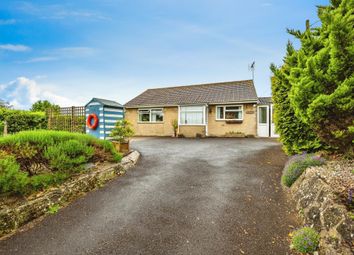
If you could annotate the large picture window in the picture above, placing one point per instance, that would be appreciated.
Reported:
(232, 112)
(150, 115)
(192, 115)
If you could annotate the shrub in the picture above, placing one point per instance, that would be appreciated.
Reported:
(18, 120)
(43, 181)
(68, 155)
(35, 160)
(305, 240)
(297, 165)
(122, 131)
(174, 124)
(11, 178)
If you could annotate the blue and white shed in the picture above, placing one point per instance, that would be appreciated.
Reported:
(108, 113)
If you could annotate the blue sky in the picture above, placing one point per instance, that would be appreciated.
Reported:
(71, 51)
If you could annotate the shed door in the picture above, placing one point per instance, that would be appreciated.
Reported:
(263, 121)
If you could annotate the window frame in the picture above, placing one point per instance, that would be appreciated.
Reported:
(150, 115)
(224, 112)
(266, 115)
(188, 124)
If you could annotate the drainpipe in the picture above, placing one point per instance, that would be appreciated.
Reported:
(206, 119)
(178, 119)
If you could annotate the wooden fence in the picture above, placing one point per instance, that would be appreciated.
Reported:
(70, 119)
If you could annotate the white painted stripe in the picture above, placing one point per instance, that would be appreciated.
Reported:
(110, 126)
(101, 114)
(110, 121)
(112, 110)
(101, 109)
(101, 120)
(108, 132)
(113, 115)
(102, 137)
(87, 131)
(101, 132)
(87, 110)
(101, 126)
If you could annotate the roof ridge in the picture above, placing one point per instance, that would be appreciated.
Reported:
(97, 98)
(202, 84)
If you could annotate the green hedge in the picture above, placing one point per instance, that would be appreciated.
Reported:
(19, 120)
(313, 90)
(35, 160)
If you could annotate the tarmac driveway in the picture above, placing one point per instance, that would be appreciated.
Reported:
(186, 196)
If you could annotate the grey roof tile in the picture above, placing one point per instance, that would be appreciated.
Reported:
(106, 102)
(211, 93)
(265, 100)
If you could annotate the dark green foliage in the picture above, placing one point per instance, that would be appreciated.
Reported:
(11, 178)
(315, 85)
(122, 131)
(297, 165)
(305, 240)
(68, 155)
(43, 181)
(44, 106)
(295, 135)
(18, 120)
(35, 160)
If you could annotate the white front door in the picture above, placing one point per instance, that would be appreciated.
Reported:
(263, 121)
(272, 126)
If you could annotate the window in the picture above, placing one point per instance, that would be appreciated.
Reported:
(192, 115)
(156, 115)
(232, 112)
(150, 115)
(262, 115)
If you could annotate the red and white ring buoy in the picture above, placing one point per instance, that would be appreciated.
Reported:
(94, 125)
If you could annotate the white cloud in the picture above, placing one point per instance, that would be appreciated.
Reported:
(62, 53)
(39, 59)
(23, 92)
(14, 47)
(59, 12)
(7, 21)
(76, 51)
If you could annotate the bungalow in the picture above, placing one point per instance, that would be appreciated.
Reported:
(214, 109)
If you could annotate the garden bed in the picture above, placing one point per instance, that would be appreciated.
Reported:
(17, 211)
(42, 170)
(324, 200)
(33, 161)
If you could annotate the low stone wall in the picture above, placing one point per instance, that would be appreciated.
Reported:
(322, 210)
(16, 212)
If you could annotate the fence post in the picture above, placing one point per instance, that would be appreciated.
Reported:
(72, 118)
(5, 127)
(49, 118)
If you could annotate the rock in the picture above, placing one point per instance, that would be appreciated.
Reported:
(332, 215)
(323, 210)
(7, 221)
(346, 230)
(312, 217)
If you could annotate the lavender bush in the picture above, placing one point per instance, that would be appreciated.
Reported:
(297, 165)
(305, 240)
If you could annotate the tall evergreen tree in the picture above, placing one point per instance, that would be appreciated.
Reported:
(295, 135)
(321, 82)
